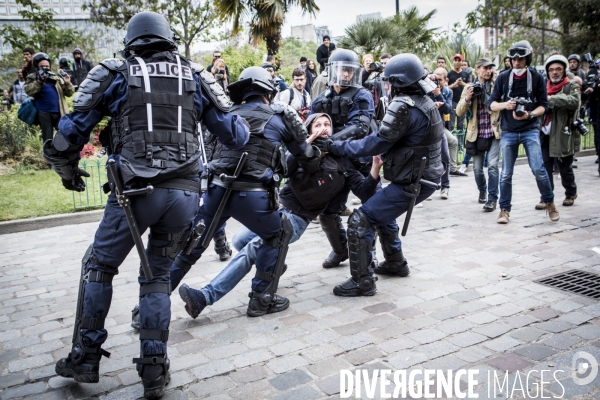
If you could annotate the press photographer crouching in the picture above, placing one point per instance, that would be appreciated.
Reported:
(49, 90)
(560, 139)
(483, 132)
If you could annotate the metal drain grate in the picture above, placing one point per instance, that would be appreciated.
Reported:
(575, 281)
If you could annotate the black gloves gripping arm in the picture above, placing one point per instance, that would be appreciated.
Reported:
(323, 144)
(64, 159)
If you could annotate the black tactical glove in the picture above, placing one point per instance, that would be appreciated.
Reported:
(64, 159)
(75, 182)
(323, 144)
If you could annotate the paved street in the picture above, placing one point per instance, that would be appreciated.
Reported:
(470, 303)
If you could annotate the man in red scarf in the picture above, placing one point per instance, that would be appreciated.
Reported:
(559, 139)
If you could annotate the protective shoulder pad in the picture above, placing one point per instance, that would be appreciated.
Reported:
(291, 119)
(98, 80)
(214, 91)
(393, 125)
(196, 68)
(112, 64)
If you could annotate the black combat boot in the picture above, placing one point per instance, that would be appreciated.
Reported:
(364, 287)
(394, 264)
(155, 375)
(194, 300)
(86, 371)
(335, 259)
(263, 303)
(222, 247)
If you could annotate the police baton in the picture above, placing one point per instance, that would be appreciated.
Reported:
(116, 186)
(413, 192)
(225, 178)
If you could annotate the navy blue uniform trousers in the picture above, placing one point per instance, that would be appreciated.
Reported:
(166, 211)
(249, 208)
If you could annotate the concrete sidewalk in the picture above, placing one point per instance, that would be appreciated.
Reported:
(470, 303)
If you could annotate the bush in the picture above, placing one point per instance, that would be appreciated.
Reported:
(20, 144)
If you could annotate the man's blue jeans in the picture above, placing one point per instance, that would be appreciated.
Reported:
(247, 243)
(493, 154)
(509, 143)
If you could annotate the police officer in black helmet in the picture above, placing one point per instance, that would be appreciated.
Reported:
(412, 129)
(351, 109)
(156, 101)
(253, 198)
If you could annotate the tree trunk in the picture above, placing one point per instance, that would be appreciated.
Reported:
(273, 41)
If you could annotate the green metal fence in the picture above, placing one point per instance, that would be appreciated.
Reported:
(587, 142)
(93, 196)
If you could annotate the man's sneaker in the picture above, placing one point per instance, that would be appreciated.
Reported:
(569, 200)
(552, 211)
(444, 193)
(503, 217)
(463, 168)
(457, 173)
(482, 196)
(194, 300)
(489, 206)
(540, 206)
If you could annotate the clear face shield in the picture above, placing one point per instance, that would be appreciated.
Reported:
(343, 73)
(427, 85)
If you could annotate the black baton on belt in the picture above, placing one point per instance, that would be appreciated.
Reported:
(114, 180)
(225, 178)
(413, 190)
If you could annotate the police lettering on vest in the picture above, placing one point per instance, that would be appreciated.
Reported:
(162, 70)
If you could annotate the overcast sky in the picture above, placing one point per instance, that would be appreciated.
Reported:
(339, 14)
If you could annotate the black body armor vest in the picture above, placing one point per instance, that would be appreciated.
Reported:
(262, 153)
(401, 162)
(157, 140)
(336, 106)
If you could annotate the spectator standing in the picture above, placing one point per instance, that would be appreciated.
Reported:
(17, 90)
(81, 67)
(560, 141)
(367, 60)
(457, 80)
(65, 65)
(384, 59)
(311, 75)
(296, 96)
(483, 134)
(279, 83)
(522, 83)
(216, 56)
(28, 67)
(219, 71)
(575, 67)
(507, 64)
(302, 64)
(324, 51)
(441, 62)
(50, 92)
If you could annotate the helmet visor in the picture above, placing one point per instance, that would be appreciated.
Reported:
(518, 52)
(344, 73)
(427, 85)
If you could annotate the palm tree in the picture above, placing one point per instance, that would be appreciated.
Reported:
(266, 17)
(413, 28)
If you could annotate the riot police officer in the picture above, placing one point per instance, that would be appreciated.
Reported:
(351, 108)
(155, 101)
(412, 129)
(251, 196)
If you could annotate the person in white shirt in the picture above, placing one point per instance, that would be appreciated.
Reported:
(296, 96)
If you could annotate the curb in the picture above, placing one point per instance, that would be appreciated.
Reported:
(50, 221)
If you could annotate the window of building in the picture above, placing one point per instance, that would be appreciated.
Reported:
(76, 10)
(3, 10)
(13, 10)
(66, 10)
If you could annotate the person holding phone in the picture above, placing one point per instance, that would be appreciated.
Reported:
(457, 80)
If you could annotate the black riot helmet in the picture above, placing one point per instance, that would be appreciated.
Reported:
(521, 49)
(343, 69)
(252, 81)
(406, 72)
(63, 62)
(149, 30)
(39, 57)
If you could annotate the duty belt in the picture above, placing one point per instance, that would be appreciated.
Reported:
(179, 184)
(241, 186)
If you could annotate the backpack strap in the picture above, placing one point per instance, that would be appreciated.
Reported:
(291, 96)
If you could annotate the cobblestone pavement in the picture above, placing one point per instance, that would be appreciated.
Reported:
(470, 303)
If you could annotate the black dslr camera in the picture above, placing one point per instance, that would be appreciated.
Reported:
(521, 102)
(375, 67)
(45, 74)
(580, 126)
(477, 88)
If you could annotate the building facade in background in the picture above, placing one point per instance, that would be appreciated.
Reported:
(310, 33)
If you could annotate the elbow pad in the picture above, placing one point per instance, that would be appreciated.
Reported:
(91, 90)
(291, 120)
(393, 125)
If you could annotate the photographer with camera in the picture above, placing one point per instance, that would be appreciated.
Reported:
(483, 132)
(375, 85)
(520, 96)
(560, 131)
(49, 91)
(592, 97)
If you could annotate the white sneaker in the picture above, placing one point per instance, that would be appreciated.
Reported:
(463, 168)
(356, 200)
(444, 193)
